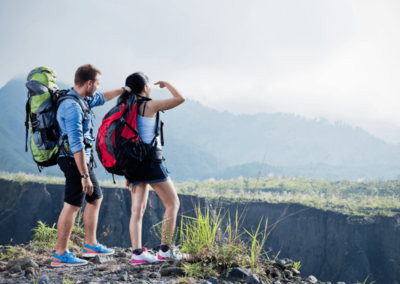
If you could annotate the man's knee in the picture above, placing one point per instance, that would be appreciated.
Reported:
(96, 202)
(71, 208)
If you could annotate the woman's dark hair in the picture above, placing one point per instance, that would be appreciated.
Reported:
(136, 82)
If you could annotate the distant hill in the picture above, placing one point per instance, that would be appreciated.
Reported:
(201, 142)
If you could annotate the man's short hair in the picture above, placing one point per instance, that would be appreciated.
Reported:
(85, 73)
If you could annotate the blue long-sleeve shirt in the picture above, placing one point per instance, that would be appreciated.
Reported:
(70, 117)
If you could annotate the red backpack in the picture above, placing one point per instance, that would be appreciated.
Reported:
(118, 145)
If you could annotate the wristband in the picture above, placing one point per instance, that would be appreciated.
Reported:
(126, 88)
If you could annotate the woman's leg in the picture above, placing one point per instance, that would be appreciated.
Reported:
(167, 193)
(139, 194)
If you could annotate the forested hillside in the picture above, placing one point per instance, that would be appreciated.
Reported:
(201, 143)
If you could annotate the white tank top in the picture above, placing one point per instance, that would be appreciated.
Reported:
(147, 129)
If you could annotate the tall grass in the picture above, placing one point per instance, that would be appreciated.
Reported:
(205, 240)
(256, 244)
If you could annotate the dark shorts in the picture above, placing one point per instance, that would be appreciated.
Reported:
(73, 183)
(145, 173)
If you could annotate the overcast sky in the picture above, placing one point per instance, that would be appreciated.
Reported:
(334, 59)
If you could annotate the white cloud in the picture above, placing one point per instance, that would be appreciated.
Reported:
(337, 59)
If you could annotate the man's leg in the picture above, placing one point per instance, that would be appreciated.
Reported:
(64, 227)
(90, 220)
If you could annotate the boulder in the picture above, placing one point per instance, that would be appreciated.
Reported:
(123, 276)
(252, 279)
(15, 269)
(172, 271)
(154, 275)
(24, 263)
(289, 274)
(122, 254)
(280, 262)
(30, 271)
(236, 274)
(101, 259)
(124, 260)
(311, 279)
(213, 280)
(44, 280)
(295, 271)
(47, 261)
(143, 274)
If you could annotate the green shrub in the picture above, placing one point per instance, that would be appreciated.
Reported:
(192, 269)
(297, 265)
(45, 234)
(10, 254)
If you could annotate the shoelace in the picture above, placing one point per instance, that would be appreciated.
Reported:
(71, 256)
(101, 246)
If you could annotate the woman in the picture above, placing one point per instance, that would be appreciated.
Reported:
(154, 174)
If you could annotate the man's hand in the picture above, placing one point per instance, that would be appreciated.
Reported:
(127, 184)
(87, 186)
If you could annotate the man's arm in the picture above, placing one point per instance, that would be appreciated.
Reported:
(73, 116)
(109, 95)
(80, 160)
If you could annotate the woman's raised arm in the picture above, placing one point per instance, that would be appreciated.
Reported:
(159, 105)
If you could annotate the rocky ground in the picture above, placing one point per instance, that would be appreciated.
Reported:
(32, 265)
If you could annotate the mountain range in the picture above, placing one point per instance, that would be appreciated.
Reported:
(202, 143)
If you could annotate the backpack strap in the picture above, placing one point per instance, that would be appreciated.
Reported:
(27, 109)
(162, 132)
(86, 113)
(144, 107)
(85, 110)
(155, 141)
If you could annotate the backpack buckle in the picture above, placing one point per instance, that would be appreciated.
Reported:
(122, 120)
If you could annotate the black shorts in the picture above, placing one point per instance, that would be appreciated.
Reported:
(146, 173)
(73, 183)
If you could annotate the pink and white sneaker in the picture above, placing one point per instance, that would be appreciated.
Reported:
(176, 255)
(144, 258)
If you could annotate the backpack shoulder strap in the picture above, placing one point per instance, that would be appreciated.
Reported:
(66, 97)
(144, 101)
(27, 110)
(85, 110)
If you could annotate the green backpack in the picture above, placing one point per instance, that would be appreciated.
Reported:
(44, 98)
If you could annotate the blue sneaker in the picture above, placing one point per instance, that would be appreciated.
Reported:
(67, 259)
(97, 249)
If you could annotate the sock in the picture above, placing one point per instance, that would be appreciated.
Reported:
(137, 251)
(164, 248)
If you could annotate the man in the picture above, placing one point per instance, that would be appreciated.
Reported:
(76, 161)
